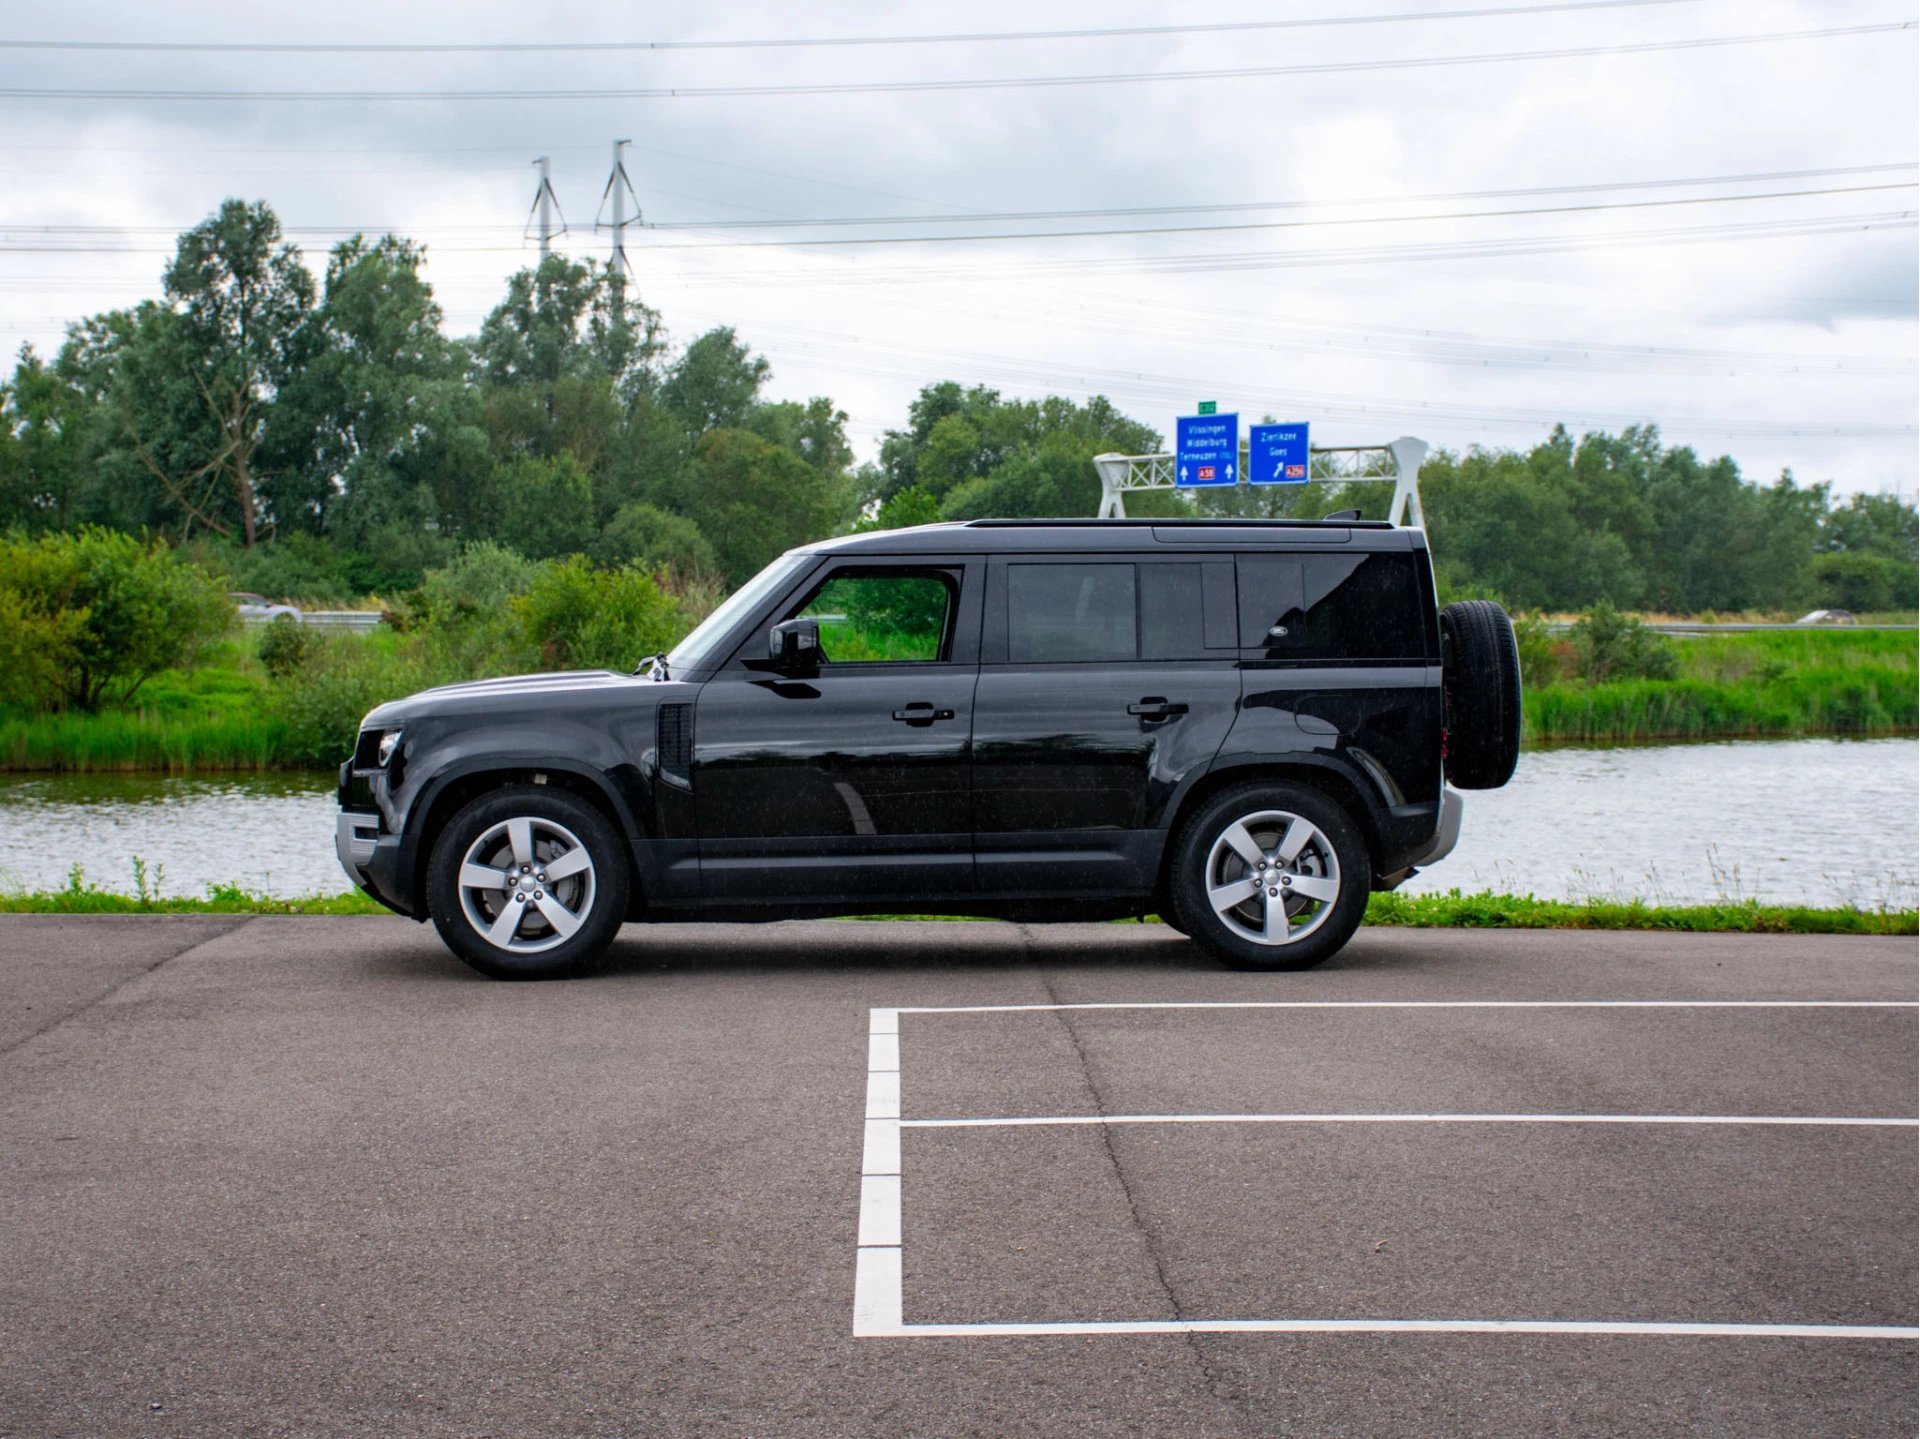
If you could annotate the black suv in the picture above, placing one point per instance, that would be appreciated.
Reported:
(1243, 726)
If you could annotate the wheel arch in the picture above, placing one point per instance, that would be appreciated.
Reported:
(459, 785)
(1322, 774)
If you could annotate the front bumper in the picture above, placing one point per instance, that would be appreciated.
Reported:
(376, 862)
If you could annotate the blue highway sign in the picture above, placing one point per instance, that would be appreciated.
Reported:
(1277, 455)
(1207, 449)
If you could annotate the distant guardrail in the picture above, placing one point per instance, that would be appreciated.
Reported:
(328, 619)
(1559, 626)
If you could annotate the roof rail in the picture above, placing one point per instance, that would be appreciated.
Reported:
(1398, 462)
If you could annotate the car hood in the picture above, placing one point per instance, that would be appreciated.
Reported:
(514, 693)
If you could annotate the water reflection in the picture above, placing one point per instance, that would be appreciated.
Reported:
(1826, 822)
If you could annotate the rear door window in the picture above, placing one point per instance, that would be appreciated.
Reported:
(1331, 607)
(1071, 613)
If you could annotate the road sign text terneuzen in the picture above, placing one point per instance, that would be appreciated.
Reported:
(1207, 450)
(1278, 455)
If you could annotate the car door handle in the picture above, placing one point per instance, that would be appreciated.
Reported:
(921, 713)
(1155, 708)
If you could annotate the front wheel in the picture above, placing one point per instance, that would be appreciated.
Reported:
(527, 882)
(1270, 876)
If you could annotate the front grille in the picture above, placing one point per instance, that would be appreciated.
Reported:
(676, 745)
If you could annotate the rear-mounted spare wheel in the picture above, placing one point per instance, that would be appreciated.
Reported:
(1481, 688)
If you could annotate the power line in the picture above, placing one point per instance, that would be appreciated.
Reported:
(1002, 216)
(1118, 212)
(1285, 224)
(501, 47)
(1015, 82)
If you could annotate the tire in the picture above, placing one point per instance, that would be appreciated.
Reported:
(1219, 849)
(530, 827)
(1480, 688)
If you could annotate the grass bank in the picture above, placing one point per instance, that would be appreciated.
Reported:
(1784, 683)
(1453, 910)
(221, 716)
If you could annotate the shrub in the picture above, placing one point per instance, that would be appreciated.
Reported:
(112, 613)
(1544, 655)
(323, 704)
(286, 647)
(465, 615)
(1608, 645)
(578, 617)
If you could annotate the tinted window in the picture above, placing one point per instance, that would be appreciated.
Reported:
(1170, 625)
(1334, 607)
(866, 617)
(1070, 612)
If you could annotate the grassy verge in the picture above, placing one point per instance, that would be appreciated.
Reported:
(221, 899)
(1819, 682)
(1453, 910)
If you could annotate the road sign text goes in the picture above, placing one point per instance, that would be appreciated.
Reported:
(1278, 455)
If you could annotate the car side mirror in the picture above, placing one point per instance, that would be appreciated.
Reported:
(794, 644)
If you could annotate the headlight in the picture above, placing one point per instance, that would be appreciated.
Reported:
(389, 742)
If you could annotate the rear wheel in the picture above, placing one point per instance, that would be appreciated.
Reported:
(527, 883)
(1270, 876)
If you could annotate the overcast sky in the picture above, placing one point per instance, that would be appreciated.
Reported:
(1778, 330)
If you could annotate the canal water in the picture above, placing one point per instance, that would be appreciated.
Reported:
(1823, 822)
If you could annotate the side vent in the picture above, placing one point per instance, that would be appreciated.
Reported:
(676, 745)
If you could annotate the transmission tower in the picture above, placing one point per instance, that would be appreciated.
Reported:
(619, 190)
(545, 204)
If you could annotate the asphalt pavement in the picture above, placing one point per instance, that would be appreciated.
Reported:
(311, 1176)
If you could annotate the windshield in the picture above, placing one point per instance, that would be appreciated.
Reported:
(697, 649)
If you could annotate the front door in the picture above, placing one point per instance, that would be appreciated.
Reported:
(846, 781)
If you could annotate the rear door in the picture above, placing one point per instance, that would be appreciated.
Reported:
(848, 782)
(1105, 679)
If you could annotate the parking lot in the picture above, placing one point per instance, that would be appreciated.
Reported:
(310, 1176)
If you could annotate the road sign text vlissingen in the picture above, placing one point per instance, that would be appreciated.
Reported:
(1207, 450)
(1277, 455)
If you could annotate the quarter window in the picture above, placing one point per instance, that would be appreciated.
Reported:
(1331, 607)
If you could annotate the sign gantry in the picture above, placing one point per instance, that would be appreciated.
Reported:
(1397, 463)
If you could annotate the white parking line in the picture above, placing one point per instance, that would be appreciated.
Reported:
(1406, 1326)
(1018, 1121)
(1420, 1004)
(878, 1281)
(879, 1272)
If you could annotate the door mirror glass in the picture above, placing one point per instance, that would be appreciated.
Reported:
(794, 644)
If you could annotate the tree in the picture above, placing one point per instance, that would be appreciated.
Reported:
(241, 298)
(815, 431)
(977, 453)
(565, 319)
(377, 409)
(715, 384)
(754, 500)
(42, 438)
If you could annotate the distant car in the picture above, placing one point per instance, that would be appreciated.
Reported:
(1827, 617)
(258, 609)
